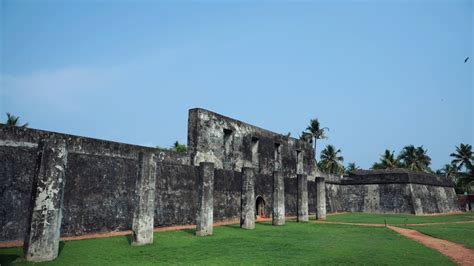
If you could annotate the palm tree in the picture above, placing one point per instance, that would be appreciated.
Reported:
(331, 161)
(14, 121)
(415, 158)
(463, 156)
(306, 137)
(448, 170)
(179, 147)
(387, 161)
(314, 132)
(351, 167)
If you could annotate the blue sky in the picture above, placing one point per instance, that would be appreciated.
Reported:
(379, 74)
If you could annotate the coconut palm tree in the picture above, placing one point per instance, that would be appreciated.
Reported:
(387, 161)
(14, 121)
(415, 158)
(351, 167)
(315, 132)
(463, 156)
(448, 170)
(331, 160)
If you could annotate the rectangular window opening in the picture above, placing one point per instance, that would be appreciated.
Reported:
(299, 162)
(255, 157)
(277, 157)
(228, 138)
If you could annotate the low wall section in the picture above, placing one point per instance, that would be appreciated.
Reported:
(100, 185)
(391, 191)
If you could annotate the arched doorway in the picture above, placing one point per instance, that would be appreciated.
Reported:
(260, 207)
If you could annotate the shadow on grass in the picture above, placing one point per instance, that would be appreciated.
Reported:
(189, 231)
(60, 249)
(264, 223)
(233, 226)
(129, 239)
(7, 259)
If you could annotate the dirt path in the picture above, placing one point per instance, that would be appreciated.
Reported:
(457, 252)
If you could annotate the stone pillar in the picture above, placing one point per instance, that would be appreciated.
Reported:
(42, 239)
(205, 209)
(143, 216)
(278, 217)
(302, 198)
(320, 198)
(247, 213)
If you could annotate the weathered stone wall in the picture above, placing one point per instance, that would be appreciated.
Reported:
(435, 199)
(100, 187)
(334, 196)
(227, 189)
(391, 191)
(232, 144)
(101, 179)
(176, 194)
(17, 169)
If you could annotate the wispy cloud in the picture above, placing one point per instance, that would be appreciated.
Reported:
(62, 87)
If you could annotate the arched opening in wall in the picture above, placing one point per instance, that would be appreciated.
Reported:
(260, 207)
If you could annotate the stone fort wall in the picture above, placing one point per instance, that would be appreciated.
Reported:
(100, 189)
(100, 179)
(391, 191)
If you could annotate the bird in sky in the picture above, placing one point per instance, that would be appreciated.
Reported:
(465, 60)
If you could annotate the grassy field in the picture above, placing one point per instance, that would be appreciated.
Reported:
(397, 219)
(459, 233)
(293, 243)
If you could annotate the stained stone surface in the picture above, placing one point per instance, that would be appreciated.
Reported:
(143, 218)
(278, 217)
(229, 143)
(320, 198)
(391, 191)
(101, 179)
(42, 241)
(302, 198)
(205, 187)
(247, 218)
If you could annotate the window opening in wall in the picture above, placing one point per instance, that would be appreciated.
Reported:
(277, 156)
(299, 162)
(255, 159)
(228, 138)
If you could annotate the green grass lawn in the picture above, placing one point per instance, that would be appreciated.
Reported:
(397, 219)
(459, 233)
(293, 243)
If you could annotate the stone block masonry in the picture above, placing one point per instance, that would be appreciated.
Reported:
(320, 198)
(302, 198)
(143, 217)
(247, 216)
(42, 240)
(101, 192)
(278, 217)
(205, 203)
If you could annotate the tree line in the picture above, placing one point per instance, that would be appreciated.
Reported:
(460, 169)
